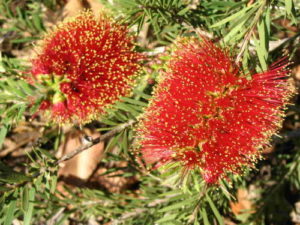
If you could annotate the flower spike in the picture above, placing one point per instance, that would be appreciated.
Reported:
(86, 63)
(205, 113)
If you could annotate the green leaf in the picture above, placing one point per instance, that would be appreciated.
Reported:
(35, 106)
(163, 15)
(26, 39)
(183, 11)
(204, 216)
(53, 183)
(214, 209)
(232, 33)
(13, 111)
(225, 191)
(46, 153)
(25, 199)
(143, 95)
(8, 10)
(21, 110)
(234, 16)
(181, 204)
(263, 36)
(261, 54)
(288, 6)
(14, 88)
(28, 213)
(268, 21)
(113, 141)
(109, 122)
(166, 218)
(9, 214)
(3, 132)
(38, 23)
(141, 21)
(4, 189)
(28, 89)
(134, 101)
(237, 30)
(125, 141)
(126, 108)
(10, 176)
(121, 116)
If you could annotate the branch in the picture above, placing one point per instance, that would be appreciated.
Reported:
(95, 141)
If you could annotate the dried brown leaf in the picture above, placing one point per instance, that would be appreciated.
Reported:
(114, 182)
(72, 8)
(243, 203)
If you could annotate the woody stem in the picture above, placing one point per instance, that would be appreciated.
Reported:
(95, 141)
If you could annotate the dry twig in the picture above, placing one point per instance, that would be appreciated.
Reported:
(95, 141)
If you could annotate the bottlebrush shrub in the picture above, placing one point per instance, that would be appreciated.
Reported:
(205, 113)
(86, 64)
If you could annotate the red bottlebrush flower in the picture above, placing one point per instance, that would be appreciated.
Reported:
(86, 64)
(204, 113)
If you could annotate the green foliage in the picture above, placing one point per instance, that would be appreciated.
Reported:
(28, 190)
(23, 20)
(14, 97)
(20, 192)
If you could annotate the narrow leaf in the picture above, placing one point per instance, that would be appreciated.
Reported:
(9, 215)
(29, 212)
(234, 16)
(204, 215)
(215, 210)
